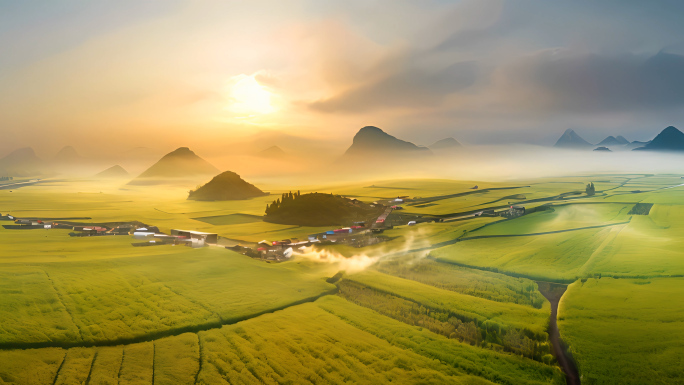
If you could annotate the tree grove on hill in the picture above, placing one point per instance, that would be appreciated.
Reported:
(286, 197)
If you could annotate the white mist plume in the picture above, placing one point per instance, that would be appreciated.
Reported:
(359, 262)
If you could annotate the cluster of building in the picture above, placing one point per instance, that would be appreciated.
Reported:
(153, 237)
(150, 235)
(80, 229)
(513, 211)
(358, 235)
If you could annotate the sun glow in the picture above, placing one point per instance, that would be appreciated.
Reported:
(249, 97)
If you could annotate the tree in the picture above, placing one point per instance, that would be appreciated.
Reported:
(590, 190)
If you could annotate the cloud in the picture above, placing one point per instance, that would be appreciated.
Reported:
(563, 80)
(408, 86)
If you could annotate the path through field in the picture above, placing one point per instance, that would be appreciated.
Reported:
(553, 292)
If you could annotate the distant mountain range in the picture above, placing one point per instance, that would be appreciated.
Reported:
(68, 155)
(371, 140)
(669, 139)
(22, 162)
(570, 139)
(181, 163)
(446, 143)
(613, 141)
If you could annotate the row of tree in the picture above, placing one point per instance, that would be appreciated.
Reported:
(442, 321)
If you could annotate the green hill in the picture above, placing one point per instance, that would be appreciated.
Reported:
(318, 209)
(224, 187)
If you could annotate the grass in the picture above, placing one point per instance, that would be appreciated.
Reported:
(554, 256)
(496, 367)
(472, 308)
(106, 365)
(560, 217)
(483, 284)
(61, 291)
(176, 360)
(137, 366)
(130, 298)
(76, 366)
(328, 341)
(625, 331)
(32, 366)
(230, 219)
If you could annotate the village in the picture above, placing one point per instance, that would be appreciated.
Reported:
(359, 234)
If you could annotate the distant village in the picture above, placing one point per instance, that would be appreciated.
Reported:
(360, 234)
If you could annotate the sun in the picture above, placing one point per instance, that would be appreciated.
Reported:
(249, 97)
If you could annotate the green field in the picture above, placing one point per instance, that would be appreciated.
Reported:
(446, 302)
(625, 331)
(328, 341)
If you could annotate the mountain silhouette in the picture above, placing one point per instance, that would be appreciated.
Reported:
(22, 162)
(225, 186)
(669, 139)
(622, 139)
(181, 163)
(114, 172)
(570, 139)
(68, 155)
(636, 144)
(445, 143)
(613, 141)
(371, 140)
(273, 152)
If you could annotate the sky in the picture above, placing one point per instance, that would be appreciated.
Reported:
(232, 76)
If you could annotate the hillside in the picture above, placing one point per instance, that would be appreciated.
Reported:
(225, 186)
(669, 139)
(181, 163)
(318, 209)
(445, 144)
(371, 140)
(570, 139)
(68, 155)
(21, 162)
(613, 141)
(273, 152)
(114, 172)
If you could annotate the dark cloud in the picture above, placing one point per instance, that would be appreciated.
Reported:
(589, 83)
(407, 87)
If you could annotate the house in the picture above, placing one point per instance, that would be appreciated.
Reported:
(197, 236)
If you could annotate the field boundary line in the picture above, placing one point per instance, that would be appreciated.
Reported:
(61, 301)
(199, 351)
(123, 354)
(163, 333)
(54, 380)
(609, 239)
(92, 364)
(154, 359)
